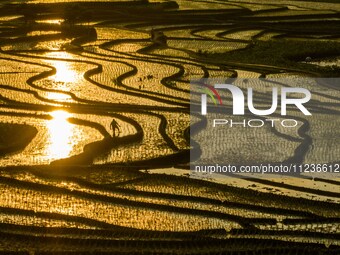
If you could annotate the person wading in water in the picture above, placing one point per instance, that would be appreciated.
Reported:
(115, 126)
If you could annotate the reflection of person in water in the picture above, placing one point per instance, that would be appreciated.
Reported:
(115, 126)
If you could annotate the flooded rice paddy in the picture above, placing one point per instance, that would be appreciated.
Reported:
(72, 184)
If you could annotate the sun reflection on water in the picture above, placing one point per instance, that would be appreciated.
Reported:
(50, 21)
(67, 75)
(58, 96)
(60, 135)
(65, 72)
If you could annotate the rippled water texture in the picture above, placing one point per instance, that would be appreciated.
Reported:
(67, 178)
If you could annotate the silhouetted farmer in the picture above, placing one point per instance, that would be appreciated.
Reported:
(114, 126)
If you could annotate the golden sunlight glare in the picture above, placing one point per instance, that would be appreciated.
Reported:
(65, 70)
(65, 73)
(60, 134)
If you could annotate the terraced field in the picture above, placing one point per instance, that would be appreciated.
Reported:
(67, 185)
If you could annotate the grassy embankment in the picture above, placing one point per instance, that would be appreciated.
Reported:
(290, 53)
(15, 137)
